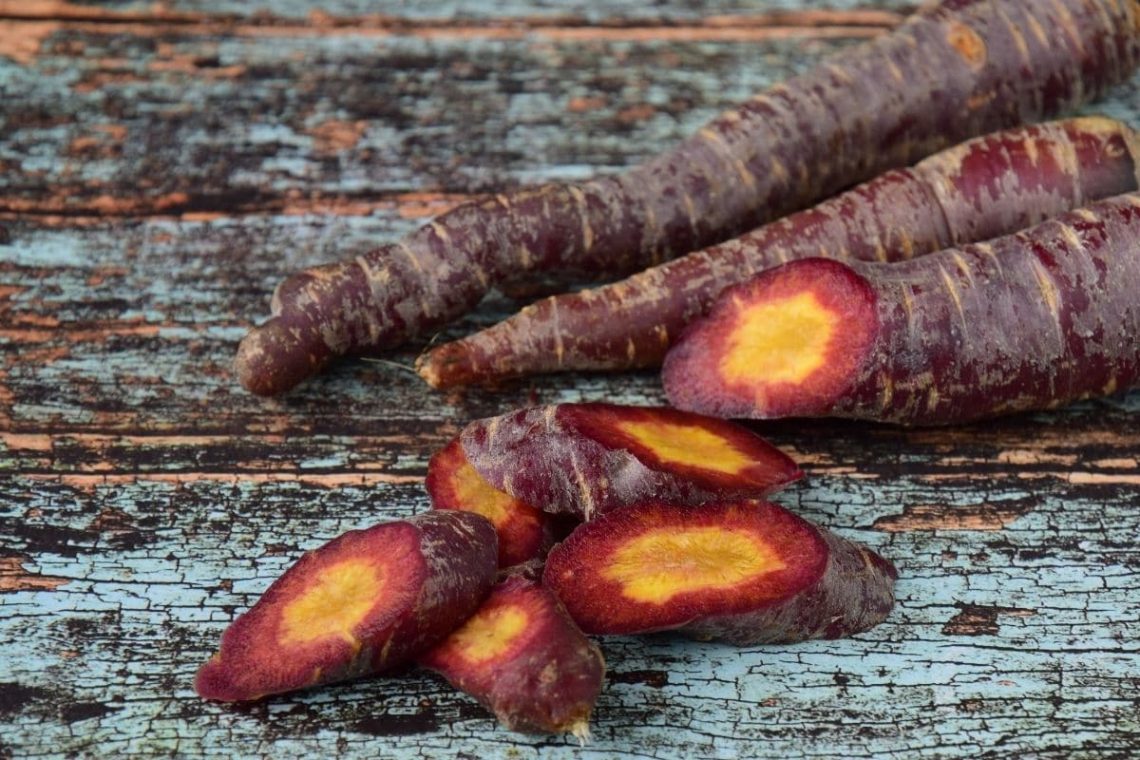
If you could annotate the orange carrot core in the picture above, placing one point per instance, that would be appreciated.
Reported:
(339, 599)
(656, 567)
(490, 633)
(689, 445)
(784, 340)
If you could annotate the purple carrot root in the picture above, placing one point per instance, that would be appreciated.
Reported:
(742, 572)
(523, 658)
(989, 186)
(366, 602)
(584, 460)
(1028, 321)
(957, 70)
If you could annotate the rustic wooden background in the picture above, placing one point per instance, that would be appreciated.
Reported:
(163, 165)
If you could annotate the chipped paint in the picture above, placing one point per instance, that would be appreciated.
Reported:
(22, 42)
(15, 577)
(332, 136)
(985, 516)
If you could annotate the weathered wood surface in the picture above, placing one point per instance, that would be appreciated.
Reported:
(162, 167)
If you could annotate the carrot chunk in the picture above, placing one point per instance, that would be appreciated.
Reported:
(525, 533)
(738, 571)
(364, 603)
(587, 459)
(524, 659)
(783, 342)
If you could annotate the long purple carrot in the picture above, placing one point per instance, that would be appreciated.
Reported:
(952, 71)
(983, 188)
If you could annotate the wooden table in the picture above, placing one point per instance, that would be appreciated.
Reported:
(164, 165)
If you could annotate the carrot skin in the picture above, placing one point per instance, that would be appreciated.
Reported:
(961, 69)
(989, 186)
(1029, 321)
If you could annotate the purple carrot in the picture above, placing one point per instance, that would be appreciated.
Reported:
(952, 71)
(989, 186)
(742, 572)
(366, 602)
(583, 460)
(523, 658)
(1033, 320)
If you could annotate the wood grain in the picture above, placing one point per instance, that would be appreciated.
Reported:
(163, 166)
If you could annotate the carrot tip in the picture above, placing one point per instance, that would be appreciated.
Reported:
(274, 357)
(445, 367)
(580, 730)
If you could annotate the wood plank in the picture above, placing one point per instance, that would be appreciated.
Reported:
(129, 120)
(149, 500)
(595, 12)
(112, 123)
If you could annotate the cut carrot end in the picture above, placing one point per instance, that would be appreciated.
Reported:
(453, 483)
(313, 619)
(524, 659)
(583, 460)
(656, 566)
(353, 606)
(509, 619)
(468, 490)
(711, 453)
(786, 343)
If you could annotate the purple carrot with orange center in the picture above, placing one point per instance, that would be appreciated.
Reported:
(585, 460)
(366, 602)
(523, 658)
(738, 571)
(1033, 320)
